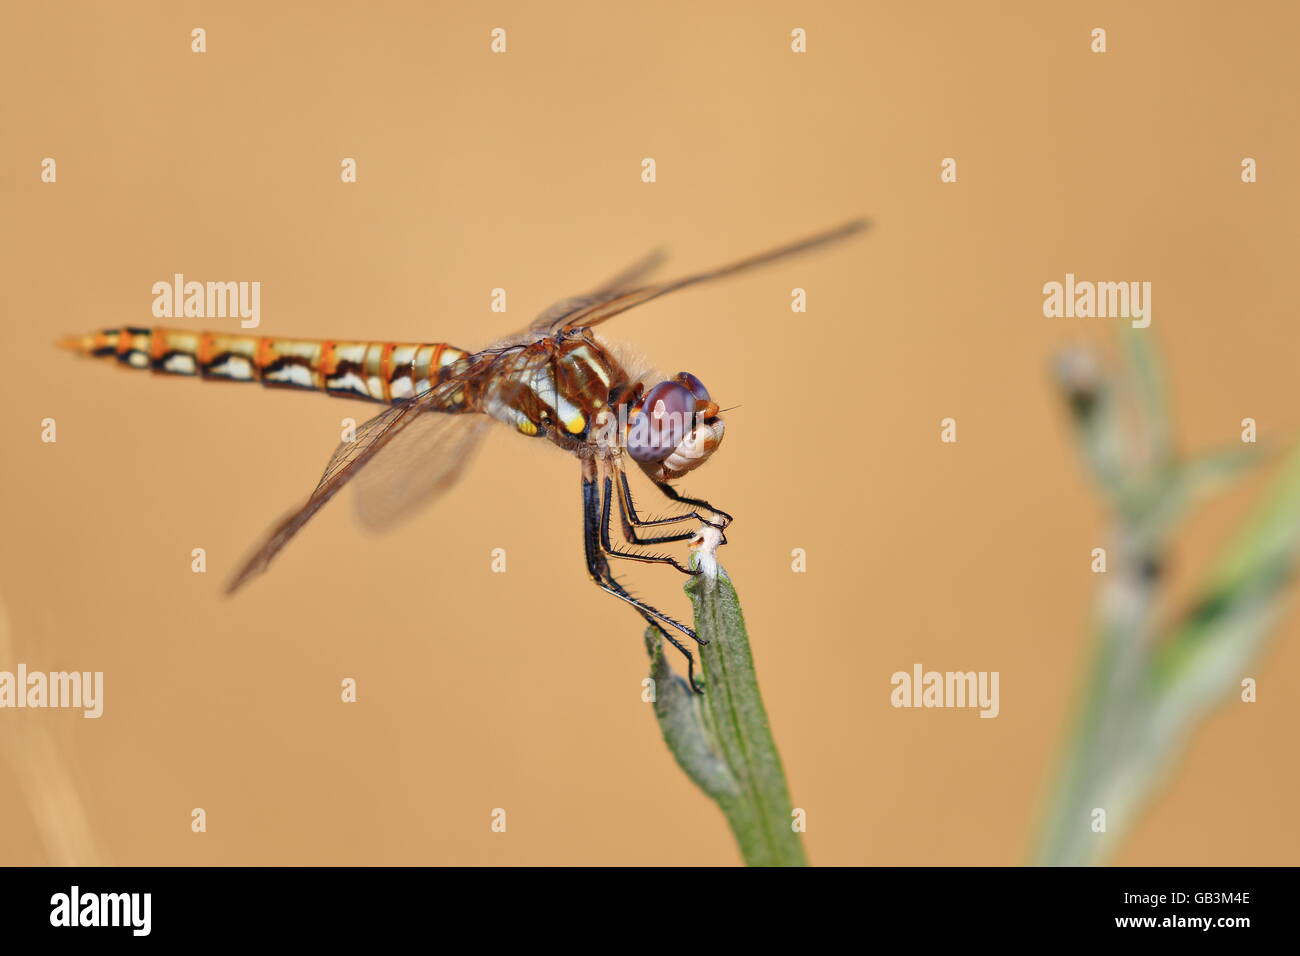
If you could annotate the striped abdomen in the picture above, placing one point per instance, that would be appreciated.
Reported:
(379, 371)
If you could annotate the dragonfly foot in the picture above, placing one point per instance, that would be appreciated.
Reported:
(722, 535)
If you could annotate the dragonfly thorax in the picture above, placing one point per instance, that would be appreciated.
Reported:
(556, 387)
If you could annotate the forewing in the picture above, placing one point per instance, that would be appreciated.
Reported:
(554, 316)
(605, 307)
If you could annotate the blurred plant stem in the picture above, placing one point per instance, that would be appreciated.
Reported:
(39, 760)
(1151, 682)
(722, 739)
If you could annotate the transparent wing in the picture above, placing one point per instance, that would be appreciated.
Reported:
(373, 438)
(605, 306)
(424, 462)
(623, 282)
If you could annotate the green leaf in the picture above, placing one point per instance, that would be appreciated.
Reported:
(722, 739)
(1239, 599)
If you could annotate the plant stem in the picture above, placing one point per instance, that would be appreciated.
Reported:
(1151, 683)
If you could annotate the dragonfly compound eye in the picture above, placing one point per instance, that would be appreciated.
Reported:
(694, 384)
(659, 422)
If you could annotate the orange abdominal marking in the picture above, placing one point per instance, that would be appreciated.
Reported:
(263, 358)
(385, 371)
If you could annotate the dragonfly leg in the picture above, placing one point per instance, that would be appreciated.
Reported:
(598, 569)
(690, 658)
(675, 495)
(631, 520)
(609, 549)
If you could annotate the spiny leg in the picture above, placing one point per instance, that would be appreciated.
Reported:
(631, 520)
(598, 569)
(690, 658)
(609, 549)
(675, 495)
(648, 522)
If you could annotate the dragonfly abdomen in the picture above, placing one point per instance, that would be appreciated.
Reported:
(378, 371)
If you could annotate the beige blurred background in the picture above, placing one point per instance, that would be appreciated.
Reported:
(521, 690)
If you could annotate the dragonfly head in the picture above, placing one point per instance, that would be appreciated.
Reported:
(673, 427)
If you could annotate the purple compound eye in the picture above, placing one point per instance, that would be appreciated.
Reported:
(664, 418)
(694, 384)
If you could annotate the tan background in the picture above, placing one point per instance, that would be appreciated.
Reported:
(521, 690)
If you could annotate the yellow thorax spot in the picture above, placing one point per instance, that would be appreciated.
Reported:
(527, 428)
(576, 424)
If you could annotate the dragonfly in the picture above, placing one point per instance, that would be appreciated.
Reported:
(554, 381)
